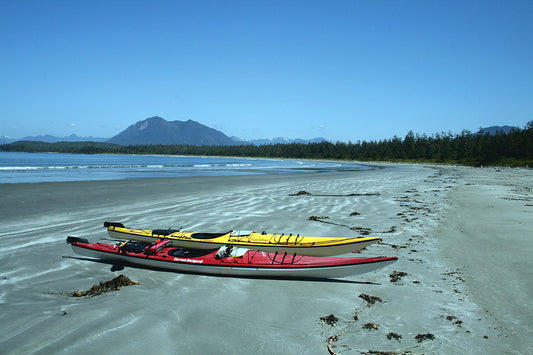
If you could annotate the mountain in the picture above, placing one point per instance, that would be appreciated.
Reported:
(494, 130)
(156, 130)
(6, 140)
(51, 139)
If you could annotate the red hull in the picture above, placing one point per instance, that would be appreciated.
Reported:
(250, 263)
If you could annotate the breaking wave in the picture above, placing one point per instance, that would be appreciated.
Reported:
(57, 167)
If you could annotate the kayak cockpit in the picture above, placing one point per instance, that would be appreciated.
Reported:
(164, 231)
(190, 253)
(154, 248)
(207, 235)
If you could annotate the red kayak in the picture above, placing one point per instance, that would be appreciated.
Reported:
(227, 260)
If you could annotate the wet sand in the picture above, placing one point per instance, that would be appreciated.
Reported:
(461, 235)
(488, 234)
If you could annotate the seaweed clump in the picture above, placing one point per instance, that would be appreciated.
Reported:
(396, 336)
(317, 218)
(397, 276)
(106, 286)
(370, 326)
(300, 193)
(421, 337)
(370, 299)
(330, 320)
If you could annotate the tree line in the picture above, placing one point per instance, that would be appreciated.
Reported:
(511, 149)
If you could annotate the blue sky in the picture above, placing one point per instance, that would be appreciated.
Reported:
(342, 70)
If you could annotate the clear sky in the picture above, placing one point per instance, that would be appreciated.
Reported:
(343, 70)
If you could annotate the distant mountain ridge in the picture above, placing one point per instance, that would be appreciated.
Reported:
(156, 130)
(51, 139)
(494, 130)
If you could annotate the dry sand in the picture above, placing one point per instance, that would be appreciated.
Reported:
(462, 236)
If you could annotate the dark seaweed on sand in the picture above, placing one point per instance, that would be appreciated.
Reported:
(106, 286)
(421, 337)
(395, 336)
(300, 193)
(397, 276)
(305, 193)
(330, 320)
(370, 326)
(370, 299)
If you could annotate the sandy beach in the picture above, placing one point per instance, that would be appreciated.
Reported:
(463, 278)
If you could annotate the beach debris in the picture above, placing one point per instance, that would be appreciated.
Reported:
(362, 230)
(318, 218)
(355, 214)
(370, 299)
(364, 194)
(300, 193)
(106, 286)
(395, 336)
(454, 274)
(370, 326)
(305, 193)
(330, 340)
(391, 230)
(397, 276)
(330, 320)
(333, 338)
(421, 337)
(64, 313)
(394, 246)
(454, 320)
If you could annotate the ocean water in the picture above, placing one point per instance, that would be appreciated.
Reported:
(56, 167)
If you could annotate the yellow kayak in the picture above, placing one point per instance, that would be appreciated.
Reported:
(271, 243)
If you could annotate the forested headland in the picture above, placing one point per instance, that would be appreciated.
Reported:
(511, 149)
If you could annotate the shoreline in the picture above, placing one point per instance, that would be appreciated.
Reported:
(492, 218)
(68, 168)
(414, 209)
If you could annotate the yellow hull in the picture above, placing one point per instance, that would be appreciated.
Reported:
(272, 243)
